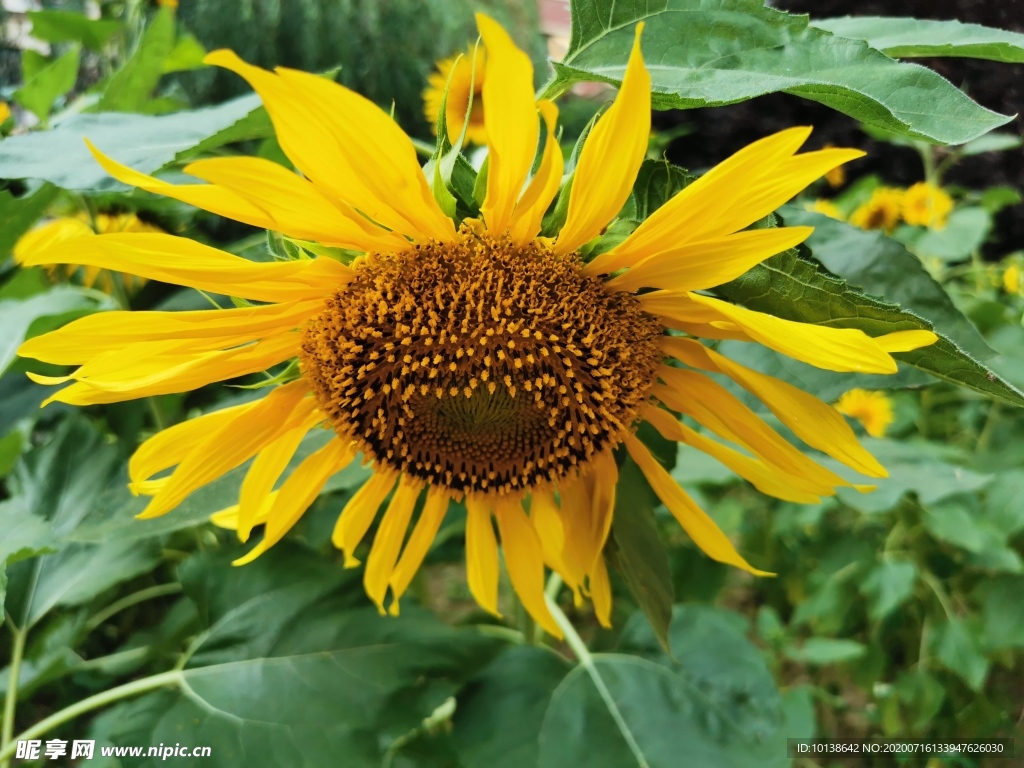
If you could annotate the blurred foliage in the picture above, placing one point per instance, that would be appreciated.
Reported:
(895, 612)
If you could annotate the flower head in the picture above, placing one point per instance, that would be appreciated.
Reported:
(476, 363)
(872, 409)
(1012, 282)
(466, 73)
(926, 205)
(882, 210)
(5, 112)
(826, 207)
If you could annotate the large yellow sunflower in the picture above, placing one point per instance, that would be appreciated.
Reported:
(463, 79)
(480, 362)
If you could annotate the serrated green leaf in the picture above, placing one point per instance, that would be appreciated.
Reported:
(69, 27)
(48, 84)
(907, 37)
(142, 142)
(956, 644)
(713, 52)
(797, 289)
(131, 87)
(638, 552)
(877, 265)
(887, 586)
(26, 535)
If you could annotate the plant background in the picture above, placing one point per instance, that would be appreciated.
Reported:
(896, 613)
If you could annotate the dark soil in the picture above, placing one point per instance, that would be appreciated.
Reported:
(1000, 87)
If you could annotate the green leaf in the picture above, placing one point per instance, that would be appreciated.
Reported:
(879, 266)
(1002, 613)
(992, 142)
(71, 27)
(716, 706)
(145, 143)
(908, 38)
(131, 87)
(18, 214)
(887, 586)
(26, 535)
(963, 234)
(17, 315)
(188, 53)
(796, 289)
(819, 651)
(638, 552)
(47, 85)
(957, 646)
(501, 710)
(953, 522)
(704, 53)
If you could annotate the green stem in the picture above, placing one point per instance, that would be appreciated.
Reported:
(423, 148)
(160, 590)
(67, 714)
(575, 642)
(154, 411)
(20, 634)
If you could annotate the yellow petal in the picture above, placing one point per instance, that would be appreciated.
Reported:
(232, 444)
(767, 479)
(357, 516)
(695, 522)
(601, 593)
(481, 554)
(547, 521)
(816, 423)
(347, 146)
(200, 331)
(263, 194)
(182, 261)
(298, 492)
(423, 534)
(906, 341)
(270, 463)
(529, 213)
(707, 264)
(49, 234)
(525, 562)
(611, 157)
(713, 406)
(388, 541)
(510, 119)
(227, 518)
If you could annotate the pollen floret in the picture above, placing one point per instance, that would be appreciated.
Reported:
(479, 364)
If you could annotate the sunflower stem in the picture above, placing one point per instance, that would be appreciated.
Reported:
(20, 634)
(575, 642)
(127, 602)
(146, 684)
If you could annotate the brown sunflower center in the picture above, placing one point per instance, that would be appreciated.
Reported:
(480, 365)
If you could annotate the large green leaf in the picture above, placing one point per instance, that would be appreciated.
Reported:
(145, 143)
(712, 52)
(878, 265)
(798, 289)
(48, 84)
(16, 316)
(906, 37)
(68, 27)
(716, 706)
(133, 84)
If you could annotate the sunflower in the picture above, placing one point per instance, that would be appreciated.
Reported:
(882, 210)
(71, 227)
(467, 73)
(5, 112)
(478, 363)
(872, 409)
(926, 205)
(1012, 282)
(826, 207)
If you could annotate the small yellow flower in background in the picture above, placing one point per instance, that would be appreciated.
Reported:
(872, 409)
(926, 205)
(463, 78)
(882, 210)
(172, 4)
(836, 177)
(474, 361)
(5, 112)
(70, 227)
(826, 207)
(1012, 282)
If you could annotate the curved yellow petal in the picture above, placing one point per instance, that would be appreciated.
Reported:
(423, 534)
(547, 521)
(227, 518)
(816, 423)
(182, 261)
(388, 541)
(510, 119)
(481, 554)
(524, 561)
(48, 234)
(601, 593)
(706, 264)
(200, 331)
(233, 443)
(298, 492)
(611, 157)
(529, 213)
(693, 519)
(348, 147)
(906, 341)
(357, 516)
